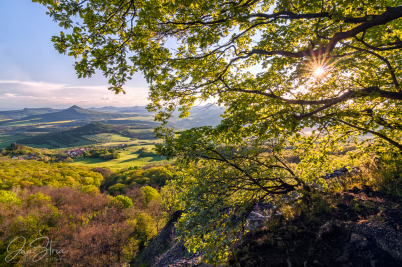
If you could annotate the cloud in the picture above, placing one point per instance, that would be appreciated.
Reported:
(43, 85)
(20, 94)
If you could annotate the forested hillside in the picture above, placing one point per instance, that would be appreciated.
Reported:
(26, 112)
(67, 137)
(64, 204)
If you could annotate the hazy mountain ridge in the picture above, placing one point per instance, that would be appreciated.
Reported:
(26, 112)
(72, 113)
(208, 115)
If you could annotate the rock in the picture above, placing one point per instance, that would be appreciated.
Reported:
(328, 229)
(317, 263)
(384, 236)
(355, 237)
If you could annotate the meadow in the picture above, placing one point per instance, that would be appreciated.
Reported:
(129, 157)
(7, 140)
(108, 137)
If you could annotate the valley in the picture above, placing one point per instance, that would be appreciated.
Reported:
(56, 131)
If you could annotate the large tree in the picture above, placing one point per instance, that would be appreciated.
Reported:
(277, 67)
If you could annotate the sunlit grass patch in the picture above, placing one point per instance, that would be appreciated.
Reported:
(108, 137)
(128, 158)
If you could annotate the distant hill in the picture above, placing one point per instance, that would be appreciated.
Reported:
(84, 135)
(68, 137)
(17, 114)
(208, 115)
(75, 116)
(199, 116)
(135, 109)
(72, 113)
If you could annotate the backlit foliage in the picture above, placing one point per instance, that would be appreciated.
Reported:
(277, 66)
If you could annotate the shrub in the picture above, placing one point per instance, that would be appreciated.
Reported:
(145, 228)
(127, 202)
(105, 172)
(90, 189)
(143, 152)
(150, 194)
(117, 188)
(7, 197)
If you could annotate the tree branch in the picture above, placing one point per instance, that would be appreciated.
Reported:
(389, 15)
(389, 140)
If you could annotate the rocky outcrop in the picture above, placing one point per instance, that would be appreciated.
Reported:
(384, 237)
(370, 243)
(164, 251)
(339, 172)
(177, 256)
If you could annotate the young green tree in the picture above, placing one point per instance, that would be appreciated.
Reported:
(277, 67)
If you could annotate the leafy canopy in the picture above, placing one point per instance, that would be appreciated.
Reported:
(278, 67)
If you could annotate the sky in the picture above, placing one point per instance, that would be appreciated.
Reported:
(33, 74)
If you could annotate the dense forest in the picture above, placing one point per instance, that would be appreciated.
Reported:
(66, 205)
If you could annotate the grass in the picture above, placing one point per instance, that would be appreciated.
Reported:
(82, 142)
(28, 134)
(383, 174)
(56, 145)
(128, 158)
(137, 118)
(108, 137)
(141, 130)
(33, 122)
(7, 140)
(41, 146)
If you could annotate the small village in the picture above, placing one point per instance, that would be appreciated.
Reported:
(72, 153)
(75, 152)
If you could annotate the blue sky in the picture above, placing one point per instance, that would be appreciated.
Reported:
(34, 74)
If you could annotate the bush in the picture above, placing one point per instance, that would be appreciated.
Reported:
(143, 152)
(117, 188)
(8, 197)
(90, 189)
(145, 228)
(105, 172)
(382, 173)
(153, 176)
(127, 202)
(150, 194)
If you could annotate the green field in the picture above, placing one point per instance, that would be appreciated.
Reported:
(141, 130)
(34, 122)
(137, 118)
(7, 140)
(108, 137)
(128, 158)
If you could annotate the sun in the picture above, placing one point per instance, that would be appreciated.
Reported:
(319, 66)
(319, 71)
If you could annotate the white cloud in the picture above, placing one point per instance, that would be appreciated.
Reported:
(43, 85)
(19, 94)
(10, 95)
